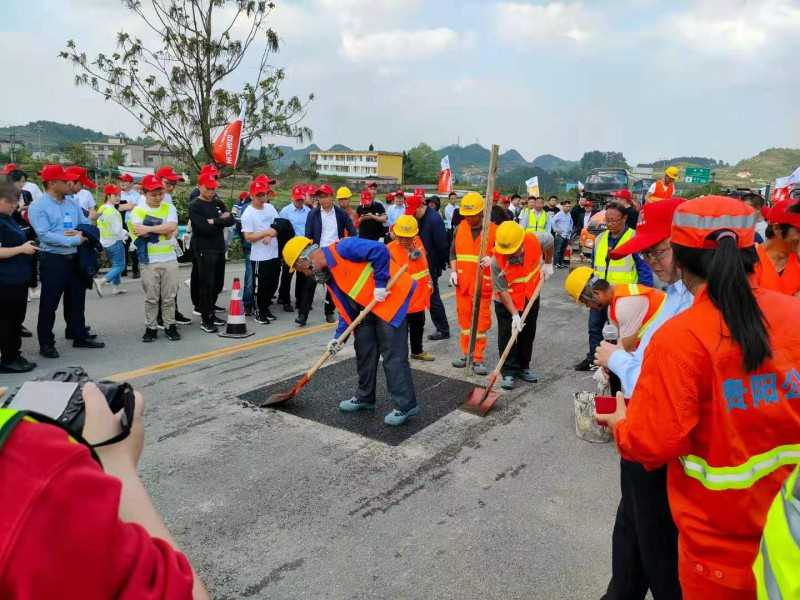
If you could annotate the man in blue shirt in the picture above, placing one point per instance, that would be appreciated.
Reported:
(297, 214)
(645, 540)
(55, 217)
(562, 225)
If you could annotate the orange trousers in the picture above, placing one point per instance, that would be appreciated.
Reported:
(464, 310)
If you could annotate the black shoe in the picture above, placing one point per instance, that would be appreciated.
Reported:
(287, 307)
(301, 319)
(261, 320)
(87, 343)
(248, 311)
(584, 365)
(24, 332)
(48, 352)
(172, 333)
(438, 335)
(218, 308)
(331, 318)
(219, 322)
(160, 323)
(20, 365)
(181, 319)
(209, 327)
(136, 276)
(268, 314)
(150, 335)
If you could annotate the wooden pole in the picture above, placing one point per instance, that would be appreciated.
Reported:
(487, 219)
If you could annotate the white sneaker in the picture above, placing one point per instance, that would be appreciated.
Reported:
(116, 290)
(98, 287)
(35, 293)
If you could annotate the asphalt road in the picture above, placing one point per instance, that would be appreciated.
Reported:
(270, 505)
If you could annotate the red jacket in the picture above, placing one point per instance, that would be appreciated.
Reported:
(60, 533)
(729, 438)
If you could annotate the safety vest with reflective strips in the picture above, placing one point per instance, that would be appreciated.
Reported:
(165, 244)
(523, 277)
(467, 250)
(618, 271)
(537, 224)
(355, 283)
(104, 213)
(10, 418)
(655, 300)
(418, 269)
(777, 566)
(662, 192)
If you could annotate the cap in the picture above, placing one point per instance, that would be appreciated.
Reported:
(310, 188)
(8, 168)
(623, 194)
(779, 214)
(168, 174)
(243, 196)
(265, 178)
(412, 204)
(209, 169)
(399, 193)
(495, 196)
(151, 183)
(258, 187)
(298, 192)
(81, 176)
(372, 184)
(323, 190)
(655, 223)
(696, 220)
(56, 173)
(207, 180)
(110, 189)
(366, 197)
(125, 177)
(390, 197)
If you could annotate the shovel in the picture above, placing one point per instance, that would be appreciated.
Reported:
(301, 383)
(481, 400)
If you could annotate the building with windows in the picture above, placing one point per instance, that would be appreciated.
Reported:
(134, 155)
(359, 165)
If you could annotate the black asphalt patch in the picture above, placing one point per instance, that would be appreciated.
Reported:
(319, 400)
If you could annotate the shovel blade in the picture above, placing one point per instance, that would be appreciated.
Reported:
(480, 401)
(285, 396)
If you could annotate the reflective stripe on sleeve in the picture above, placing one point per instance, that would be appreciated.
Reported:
(742, 476)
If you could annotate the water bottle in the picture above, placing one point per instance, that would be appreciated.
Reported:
(68, 224)
(610, 333)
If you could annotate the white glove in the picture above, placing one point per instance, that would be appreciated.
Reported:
(334, 346)
(486, 262)
(517, 323)
(454, 278)
(380, 294)
(547, 271)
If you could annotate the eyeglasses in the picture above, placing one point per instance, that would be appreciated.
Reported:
(653, 255)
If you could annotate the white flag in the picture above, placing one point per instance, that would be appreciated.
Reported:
(445, 163)
(533, 186)
(782, 182)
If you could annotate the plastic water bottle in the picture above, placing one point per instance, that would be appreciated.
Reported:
(68, 224)
(610, 333)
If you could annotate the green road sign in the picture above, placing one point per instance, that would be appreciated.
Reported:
(697, 175)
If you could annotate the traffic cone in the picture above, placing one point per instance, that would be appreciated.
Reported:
(236, 327)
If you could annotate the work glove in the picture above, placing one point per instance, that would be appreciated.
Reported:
(334, 346)
(380, 294)
(486, 262)
(547, 271)
(517, 323)
(454, 278)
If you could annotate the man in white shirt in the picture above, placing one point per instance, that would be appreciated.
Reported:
(257, 229)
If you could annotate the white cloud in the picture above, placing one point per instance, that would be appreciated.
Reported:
(533, 24)
(398, 45)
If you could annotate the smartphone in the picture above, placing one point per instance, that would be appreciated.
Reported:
(604, 405)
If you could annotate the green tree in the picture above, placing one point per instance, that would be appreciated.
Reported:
(79, 155)
(597, 160)
(116, 159)
(423, 165)
(175, 88)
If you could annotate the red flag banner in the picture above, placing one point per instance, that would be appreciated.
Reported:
(226, 146)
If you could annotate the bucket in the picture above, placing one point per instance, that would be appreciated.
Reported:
(586, 427)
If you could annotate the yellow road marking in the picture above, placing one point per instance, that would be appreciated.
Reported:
(236, 348)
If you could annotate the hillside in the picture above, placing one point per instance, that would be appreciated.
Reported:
(551, 163)
(476, 157)
(53, 135)
(769, 164)
(692, 161)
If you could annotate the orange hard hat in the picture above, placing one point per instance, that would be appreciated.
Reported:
(695, 221)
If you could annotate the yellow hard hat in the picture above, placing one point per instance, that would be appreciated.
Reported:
(343, 192)
(672, 172)
(406, 226)
(294, 248)
(576, 282)
(508, 238)
(471, 204)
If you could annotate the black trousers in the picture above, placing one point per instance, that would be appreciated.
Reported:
(206, 285)
(266, 273)
(438, 314)
(416, 327)
(519, 358)
(284, 290)
(13, 305)
(597, 319)
(131, 257)
(59, 275)
(373, 339)
(644, 551)
(308, 298)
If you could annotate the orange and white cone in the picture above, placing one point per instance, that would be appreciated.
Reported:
(236, 327)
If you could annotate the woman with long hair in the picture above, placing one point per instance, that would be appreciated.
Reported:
(718, 401)
(778, 267)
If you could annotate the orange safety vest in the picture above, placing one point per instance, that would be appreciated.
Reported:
(662, 192)
(522, 278)
(467, 251)
(729, 438)
(765, 275)
(655, 299)
(418, 269)
(355, 280)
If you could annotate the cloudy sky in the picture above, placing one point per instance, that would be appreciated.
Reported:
(650, 78)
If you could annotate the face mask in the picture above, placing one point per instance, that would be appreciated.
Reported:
(322, 276)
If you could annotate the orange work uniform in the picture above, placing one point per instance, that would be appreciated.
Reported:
(467, 249)
(729, 437)
(655, 299)
(418, 270)
(662, 192)
(766, 276)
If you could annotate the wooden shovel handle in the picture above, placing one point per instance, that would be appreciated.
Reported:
(515, 333)
(356, 322)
